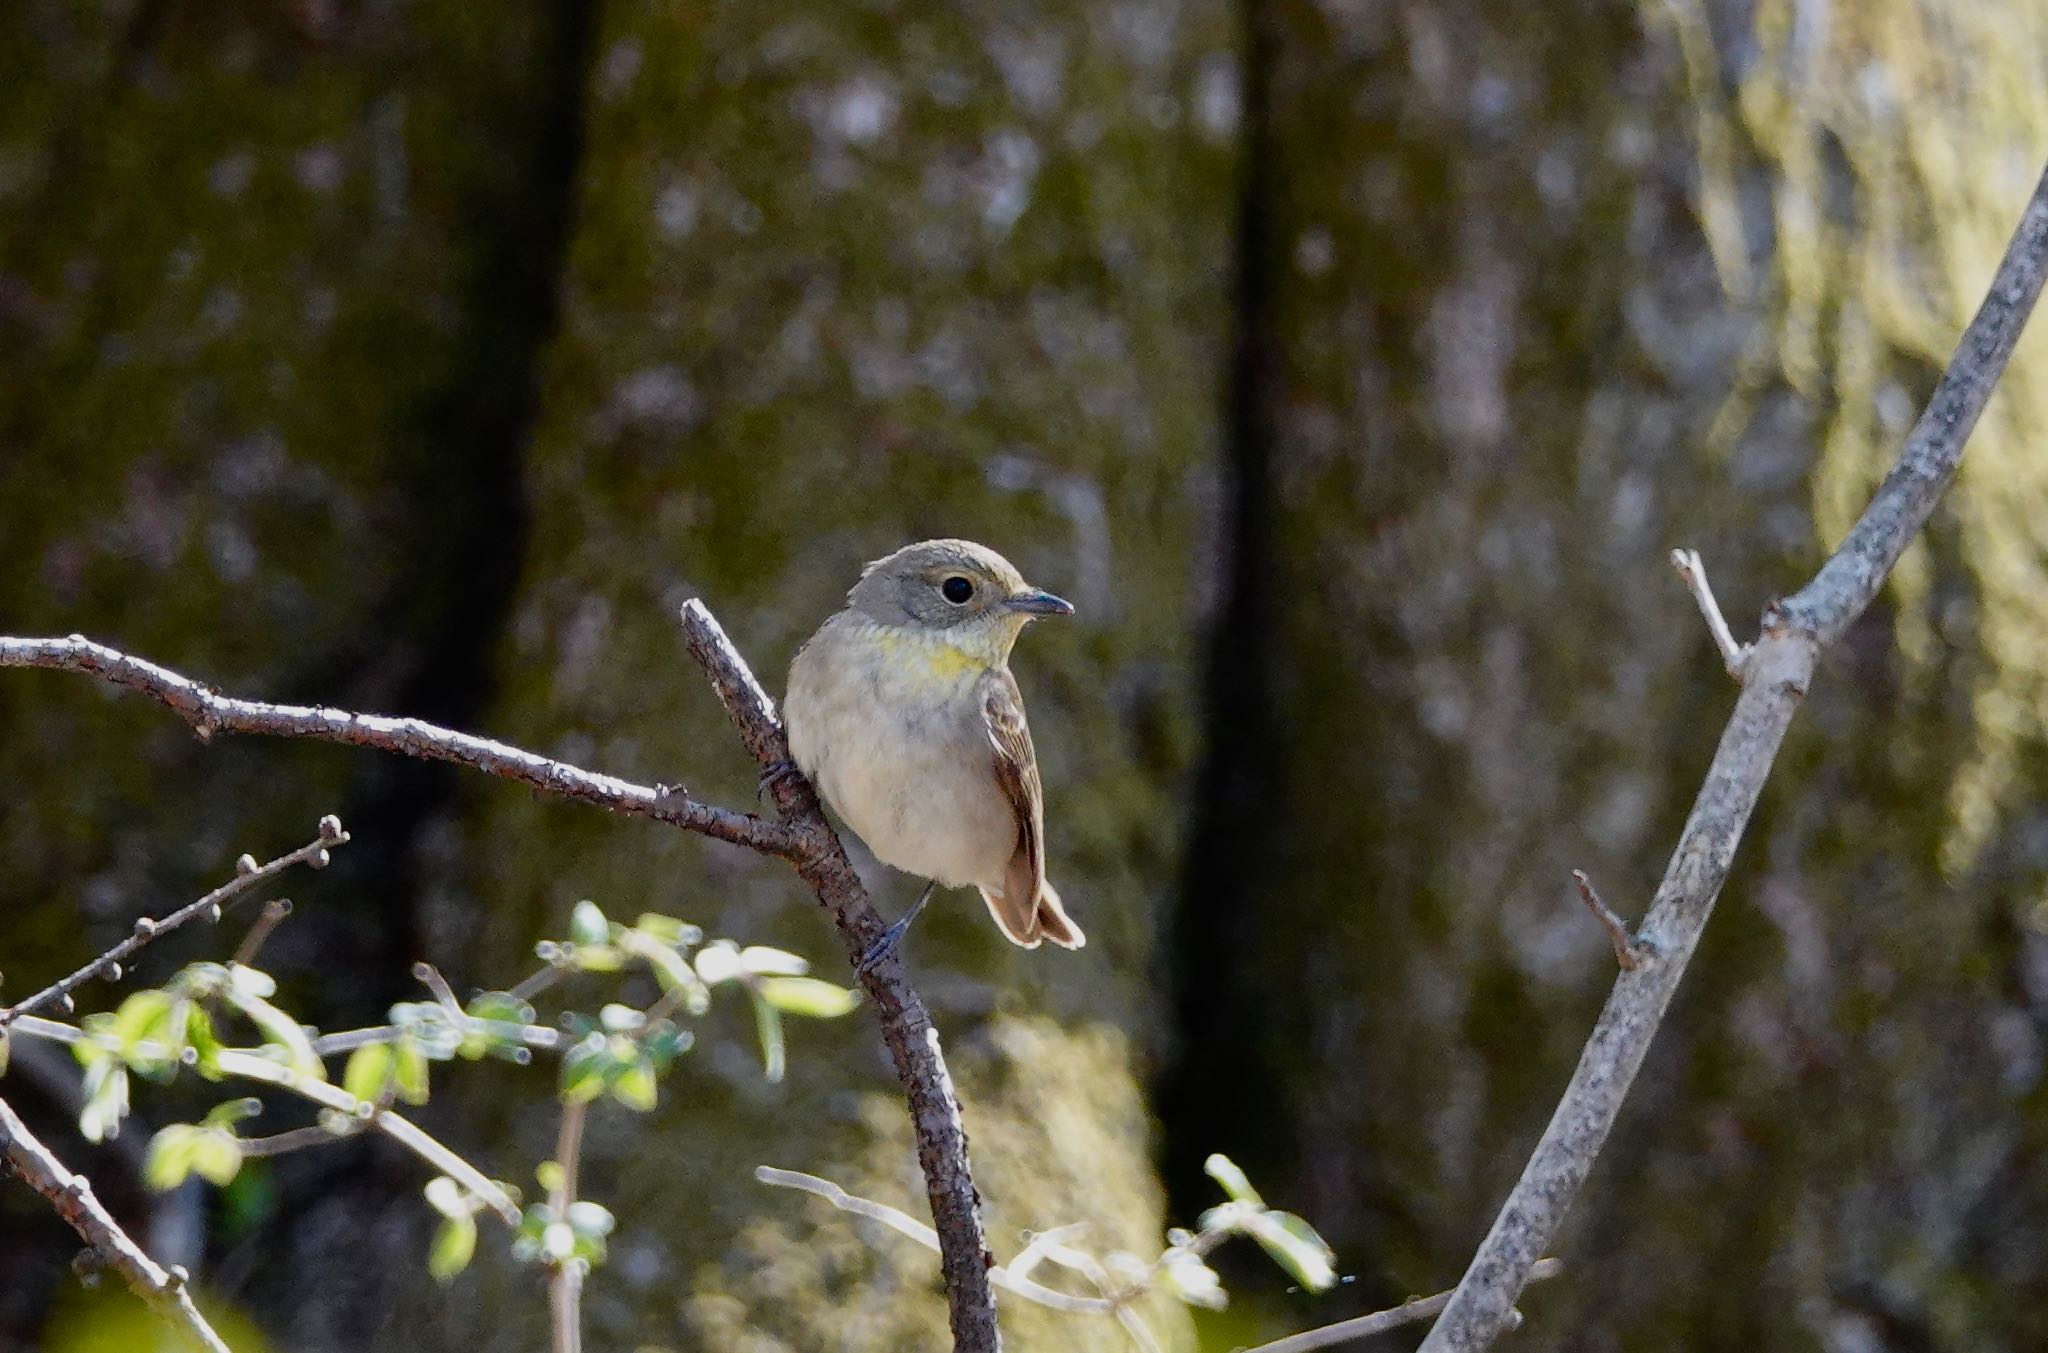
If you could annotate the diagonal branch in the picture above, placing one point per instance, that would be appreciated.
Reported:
(248, 874)
(210, 712)
(72, 1196)
(906, 1026)
(1775, 674)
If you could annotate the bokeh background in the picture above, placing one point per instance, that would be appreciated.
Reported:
(1352, 365)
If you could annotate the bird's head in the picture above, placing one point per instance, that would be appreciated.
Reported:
(955, 590)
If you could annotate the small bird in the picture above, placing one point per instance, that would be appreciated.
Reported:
(903, 712)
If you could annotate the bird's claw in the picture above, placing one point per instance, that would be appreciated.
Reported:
(773, 776)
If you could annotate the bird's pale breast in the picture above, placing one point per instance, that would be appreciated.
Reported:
(888, 724)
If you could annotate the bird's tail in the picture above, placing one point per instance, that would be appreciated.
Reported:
(1046, 920)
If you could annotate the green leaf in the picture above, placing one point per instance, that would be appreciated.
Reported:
(598, 958)
(200, 1037)
(170, 1157)
(586, 1218)
(1193, 1281)
(675, 974)
(106, 1101)
(584, 1068)
(1295, 1246)
(453, 1247)
(768, 1026)
(761, 961)
(280, 1030)
(808, 996)
(633, 1085)
(500, 1007)
(216, 1156)
(446, 1197)
(233, 1111)
(409, 1070)
(251, 981)
(587, 924)
(368, 1072)
(667, 929)
(140, 1017)
(718, 961)
(1224, 1171)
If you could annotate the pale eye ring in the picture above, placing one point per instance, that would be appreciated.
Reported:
(957, 590)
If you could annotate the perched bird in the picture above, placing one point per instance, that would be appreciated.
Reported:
(903, 712)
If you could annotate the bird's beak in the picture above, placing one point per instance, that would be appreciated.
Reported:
(1038, 603)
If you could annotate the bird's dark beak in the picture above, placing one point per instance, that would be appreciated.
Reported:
(1038, 603)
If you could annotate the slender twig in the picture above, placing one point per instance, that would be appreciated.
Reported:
(257, 1067)
(71, 1194)
(248, 874)
(1379, 1322)
(1734, 656)
(1775, 679)
(209, 713)
(284, 1143)
(1629, 951)
(270, 918)
(907, 1028)
(906, 1225)
(565, 1284)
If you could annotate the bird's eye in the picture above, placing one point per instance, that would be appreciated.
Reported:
(956, 590)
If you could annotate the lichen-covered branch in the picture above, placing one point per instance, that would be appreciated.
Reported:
(210, 713)
(1775, 674)
(72, 1196)
(907, 1027)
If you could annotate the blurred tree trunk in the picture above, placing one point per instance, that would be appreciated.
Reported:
(1547, 291)
(844, 277)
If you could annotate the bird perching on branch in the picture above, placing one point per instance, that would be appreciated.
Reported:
(903, 712)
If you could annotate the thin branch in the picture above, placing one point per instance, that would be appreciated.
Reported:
(907, 1028)
(1776, 676)
(284, 1143)
(1734, 656)
(906, 1225)
(1631, 953)
(248, 874)
(257, 1067)
(273, 915)
(71, 1194)
(565, 1284)
(209, 713)
(1379, 1322)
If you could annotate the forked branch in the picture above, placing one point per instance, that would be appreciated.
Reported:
(1775, 672)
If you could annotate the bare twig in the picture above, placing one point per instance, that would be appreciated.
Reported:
(565, 1284)
(1734, 656)
(1379, 1322)
(270, 918)
(1630, 952)
(906, 1225)
(284, 1143)
(72, 1196)
(907, 1028)
(209, 713)
(248, 874)
(1775, 679)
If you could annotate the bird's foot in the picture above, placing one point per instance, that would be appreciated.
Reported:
(772, 776)
(893, 936)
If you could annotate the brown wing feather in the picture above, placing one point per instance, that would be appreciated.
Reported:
(1027, 909)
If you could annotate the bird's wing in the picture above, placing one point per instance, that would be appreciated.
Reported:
(1016, 766)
